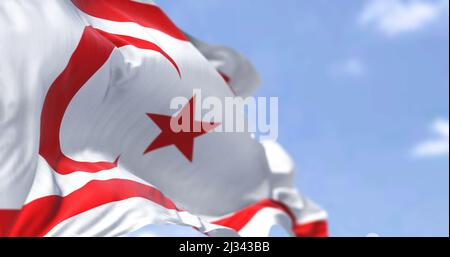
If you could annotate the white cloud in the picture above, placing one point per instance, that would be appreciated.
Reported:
(353, 67)
(437, 146)
(393, 17)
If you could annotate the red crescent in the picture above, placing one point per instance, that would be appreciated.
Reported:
(93, 50)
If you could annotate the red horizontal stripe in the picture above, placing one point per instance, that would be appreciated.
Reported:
(239, 219)
(146, 15)
(38, 217)
(225, 77)
(312, 229)
(227, 80)
(7, 219)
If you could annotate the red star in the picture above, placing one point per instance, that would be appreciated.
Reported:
(183, 140)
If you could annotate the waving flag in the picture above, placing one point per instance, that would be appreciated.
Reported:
(86, 143)
(233, 67)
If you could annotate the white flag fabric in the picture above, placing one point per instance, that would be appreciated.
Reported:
(85, 146)
(236, 70)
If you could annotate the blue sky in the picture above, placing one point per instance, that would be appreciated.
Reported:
(363, 92)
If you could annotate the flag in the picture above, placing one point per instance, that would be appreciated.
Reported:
(87, 147)
(236, 70)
